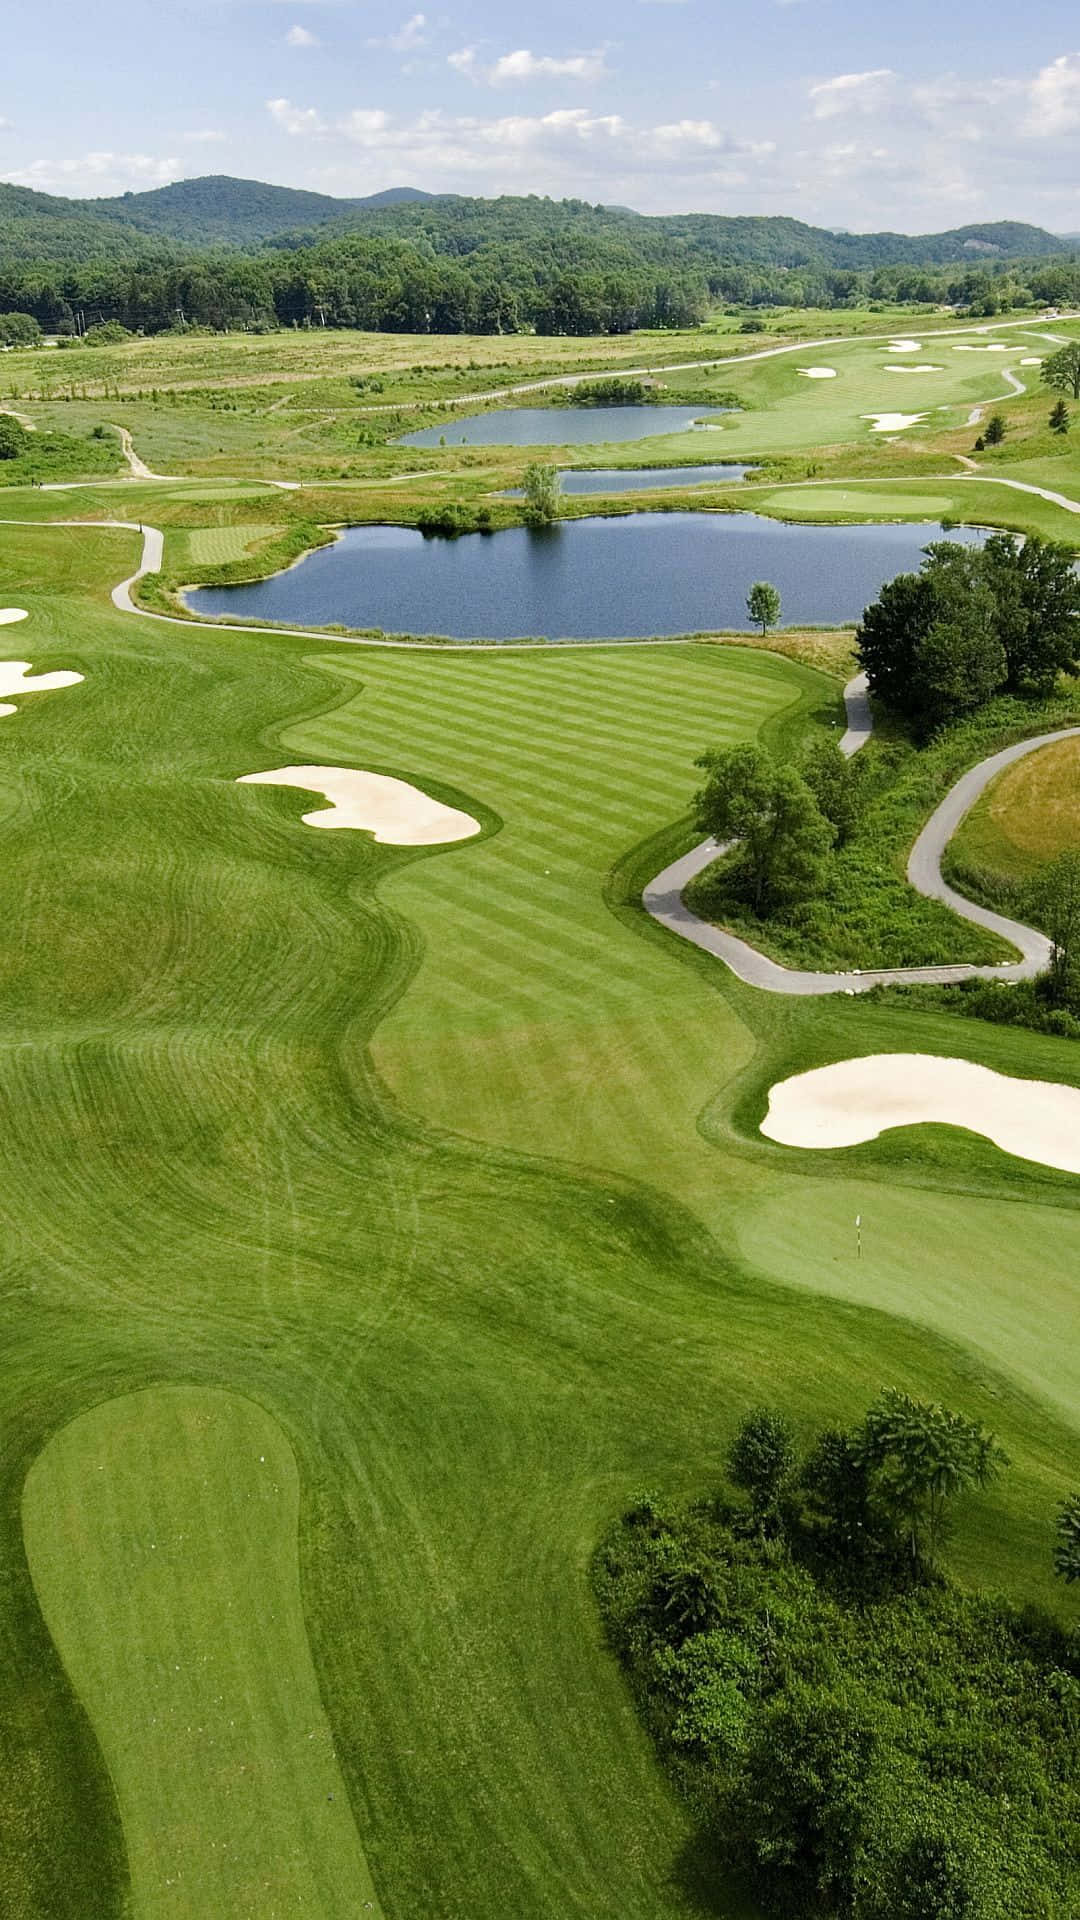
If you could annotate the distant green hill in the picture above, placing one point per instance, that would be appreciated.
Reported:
(193, 215)
(220, 211)
(217, 212)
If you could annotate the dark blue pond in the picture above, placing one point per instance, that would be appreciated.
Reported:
(558, 426)
(641, 573)
(638, 479)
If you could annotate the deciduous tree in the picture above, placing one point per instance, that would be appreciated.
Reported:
(1054, 902)
(921, 1457)
(14, 438)
(1067, 1550)
(763, 605)
(761, 1460)
(840, 784)
(1062, 370)
(543, 490)
(784, 837)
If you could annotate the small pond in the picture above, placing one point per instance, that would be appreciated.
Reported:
(638, 479)
(559, 426)
(636, 574)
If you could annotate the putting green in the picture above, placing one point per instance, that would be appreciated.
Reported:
(217, 546)
(866, 503)
(963, 1266)
(161, 1534)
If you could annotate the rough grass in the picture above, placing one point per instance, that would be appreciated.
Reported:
(488, 1279)
(1030, 814)
(161, 1530)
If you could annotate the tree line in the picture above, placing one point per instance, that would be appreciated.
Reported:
(854, 1735)
(429, 270)
(974, 623)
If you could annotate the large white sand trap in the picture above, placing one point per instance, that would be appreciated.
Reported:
(9, 615)
(910, 369)
(893, 422)
(996, 346)
(857, 1100)
(1033, 361)
(398, 814)
(13, 679)
(817, 373)
(905, 346)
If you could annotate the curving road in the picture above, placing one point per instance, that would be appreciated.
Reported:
(663, 897)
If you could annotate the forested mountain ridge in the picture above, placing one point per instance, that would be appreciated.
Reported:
(218, 210)
(226, 253)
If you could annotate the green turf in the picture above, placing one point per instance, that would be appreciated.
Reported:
(161, 1530)
(216, 546)
(488, 1278)
(867, 503)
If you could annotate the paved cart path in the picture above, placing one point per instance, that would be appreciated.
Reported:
(663, 897)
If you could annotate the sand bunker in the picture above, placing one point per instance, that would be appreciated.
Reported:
(905, 346)
(893, 422)
(1032, 361)
(999, 346)
(397, 814)
(911, 369)
(13, 679)
(9, 615)
(857, 1100)
(817, 373)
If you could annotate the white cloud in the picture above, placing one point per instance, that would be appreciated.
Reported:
(365, 123)
(97, 173)
(523, 65)
(1054, 97)
(874, 149)
(704, 136)
(411, 34)
(300, 37)
(852, 93)
(571, 150)
(295, 120)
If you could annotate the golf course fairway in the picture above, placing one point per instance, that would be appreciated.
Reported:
(433, 1175)
(161, 1532)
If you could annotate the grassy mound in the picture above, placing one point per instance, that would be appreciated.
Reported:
(1030, 814)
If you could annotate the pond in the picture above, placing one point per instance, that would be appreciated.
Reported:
(638, 479)
(559, 426)
(631, 575)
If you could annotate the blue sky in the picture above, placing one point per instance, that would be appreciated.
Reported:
(914, 116)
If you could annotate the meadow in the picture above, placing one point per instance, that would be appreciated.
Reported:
(429, 1183)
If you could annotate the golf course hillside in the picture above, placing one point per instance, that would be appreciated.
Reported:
(390, 1198)
(1030, 814)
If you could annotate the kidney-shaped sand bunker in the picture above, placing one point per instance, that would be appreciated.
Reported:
(855, 1100)
(396, 813)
